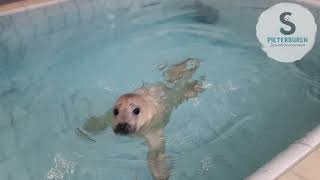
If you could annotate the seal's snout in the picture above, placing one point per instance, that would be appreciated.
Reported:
(122, 128)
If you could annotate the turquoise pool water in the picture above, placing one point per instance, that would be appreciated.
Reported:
(61, 64)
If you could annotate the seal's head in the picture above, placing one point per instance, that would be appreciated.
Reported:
(130, 112)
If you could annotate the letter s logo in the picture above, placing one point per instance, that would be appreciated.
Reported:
(286, 21)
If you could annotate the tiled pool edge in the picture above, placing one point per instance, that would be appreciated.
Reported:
(311, 2)
(278, 165)
(23, 6)
(296, 152)
(284, 161)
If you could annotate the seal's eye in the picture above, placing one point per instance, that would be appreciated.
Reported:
(136, 111)
(115, 111)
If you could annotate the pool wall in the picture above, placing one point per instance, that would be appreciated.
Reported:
(295, 153)
(301, 148)
(273, 169)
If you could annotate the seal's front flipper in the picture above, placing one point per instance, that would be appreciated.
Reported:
(157, 159)
(94, 125)
(98, 124)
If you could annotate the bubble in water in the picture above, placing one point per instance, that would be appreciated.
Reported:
(206, 85)
(104, 86)
(206, 163)
(231, 86)
(61, 168)
(195, 102)
(100, 83)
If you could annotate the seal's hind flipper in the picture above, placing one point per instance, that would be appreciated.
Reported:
(194, 88)
(185, 69)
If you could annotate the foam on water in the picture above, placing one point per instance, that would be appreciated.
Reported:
(55, 75)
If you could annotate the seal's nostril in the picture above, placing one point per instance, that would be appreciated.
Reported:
(122, 128)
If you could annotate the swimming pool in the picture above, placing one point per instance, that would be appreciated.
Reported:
(66, 62)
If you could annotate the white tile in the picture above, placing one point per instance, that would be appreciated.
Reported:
(12, 11)
(280, 163)
(309, 167)
(312, 138)
(315, 3)
(289, 176)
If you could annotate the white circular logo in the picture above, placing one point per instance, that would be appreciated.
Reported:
(287, 31)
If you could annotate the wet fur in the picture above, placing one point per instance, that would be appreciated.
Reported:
(157, 101)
